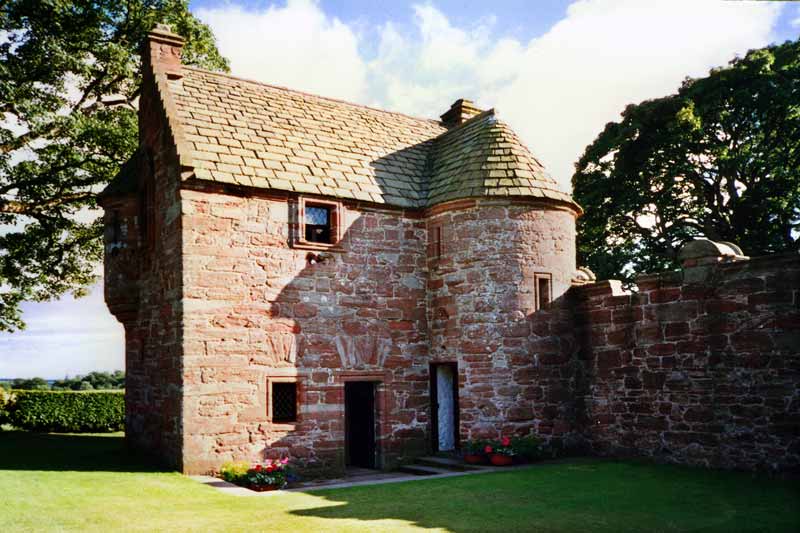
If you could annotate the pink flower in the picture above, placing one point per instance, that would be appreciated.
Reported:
(488, 449)
(285, 460)
(506, 441)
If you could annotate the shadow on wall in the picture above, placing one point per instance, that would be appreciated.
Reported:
(358, 308)
(23, 450)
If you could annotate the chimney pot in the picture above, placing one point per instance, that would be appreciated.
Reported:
(461, 111)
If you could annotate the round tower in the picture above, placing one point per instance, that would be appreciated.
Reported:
(501, 256)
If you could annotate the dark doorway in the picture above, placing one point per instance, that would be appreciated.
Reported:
(444, 407)
(359, 422)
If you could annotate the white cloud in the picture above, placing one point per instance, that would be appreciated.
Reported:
(298, 46)
(423, 72)
(604, 55)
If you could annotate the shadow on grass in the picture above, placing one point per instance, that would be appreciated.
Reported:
(22, 450)
(588, 495)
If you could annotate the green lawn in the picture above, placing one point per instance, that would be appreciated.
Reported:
(87, 483)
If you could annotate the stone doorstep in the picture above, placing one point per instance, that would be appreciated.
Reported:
(380, 478)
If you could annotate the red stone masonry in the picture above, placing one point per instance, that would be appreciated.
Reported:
(220, 298)
(704, 373)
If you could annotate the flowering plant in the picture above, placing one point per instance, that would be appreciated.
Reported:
(272, 473)
(502, 447)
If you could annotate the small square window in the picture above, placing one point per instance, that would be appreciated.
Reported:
(318, 224)
(544, 294)
(284, 402)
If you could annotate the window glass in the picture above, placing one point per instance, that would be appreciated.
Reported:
(284, 402)
(318, 224)
(317, 216)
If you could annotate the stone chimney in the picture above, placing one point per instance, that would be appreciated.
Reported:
(162, 51)
(461, 111)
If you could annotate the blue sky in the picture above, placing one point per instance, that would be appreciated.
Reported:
(556, 70)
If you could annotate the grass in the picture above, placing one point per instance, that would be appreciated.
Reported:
(88, 483)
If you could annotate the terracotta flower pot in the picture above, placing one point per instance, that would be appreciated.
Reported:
(474, 458)
(501, 460)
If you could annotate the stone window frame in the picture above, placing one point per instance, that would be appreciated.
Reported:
(299, 400)
(436, 241)
(337, 220)
(537, 278)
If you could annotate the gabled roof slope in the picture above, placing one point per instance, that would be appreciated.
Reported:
(263, 136)
(238, 131)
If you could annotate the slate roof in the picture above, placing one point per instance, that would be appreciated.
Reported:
(239, 131)
(484, 157)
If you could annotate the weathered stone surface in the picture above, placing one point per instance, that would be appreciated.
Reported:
(701, 359)
(218, 301)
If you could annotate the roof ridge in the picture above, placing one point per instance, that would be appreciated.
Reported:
(306, 93)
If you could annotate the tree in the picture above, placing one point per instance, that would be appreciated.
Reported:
(720, 159)
(69, 82)
(92, 380)
(30, 384)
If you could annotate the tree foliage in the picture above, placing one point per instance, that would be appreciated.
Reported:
(29, 384)
(69, 82)
(92, 381)
(719, 159)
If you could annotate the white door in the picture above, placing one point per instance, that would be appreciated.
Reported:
(446, 412)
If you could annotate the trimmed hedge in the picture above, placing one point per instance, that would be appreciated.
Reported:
(68, 411)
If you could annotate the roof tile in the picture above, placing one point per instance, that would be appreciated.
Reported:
(264, 136)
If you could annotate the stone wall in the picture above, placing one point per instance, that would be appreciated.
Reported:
(702, 372)
(143, 286)
(484, 257)
(258, 309)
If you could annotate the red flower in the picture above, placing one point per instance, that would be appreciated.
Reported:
(488, 449)
(270, 468)
(506, 441)
(258, 468)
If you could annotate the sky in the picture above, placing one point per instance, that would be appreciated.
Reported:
(557, 71)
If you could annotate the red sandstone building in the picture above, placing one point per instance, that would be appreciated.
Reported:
(306, 277)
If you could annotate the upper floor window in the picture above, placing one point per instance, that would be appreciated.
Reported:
(319, 222)
(435, 241)
(544, 290)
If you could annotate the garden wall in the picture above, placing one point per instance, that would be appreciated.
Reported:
(699, 367)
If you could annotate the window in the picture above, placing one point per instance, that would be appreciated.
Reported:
(116, 228)
(544, 294)
(318, 223)
(283, 402)
(436, 241)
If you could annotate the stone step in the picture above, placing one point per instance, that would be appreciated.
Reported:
(421, 470)
(447, 463)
